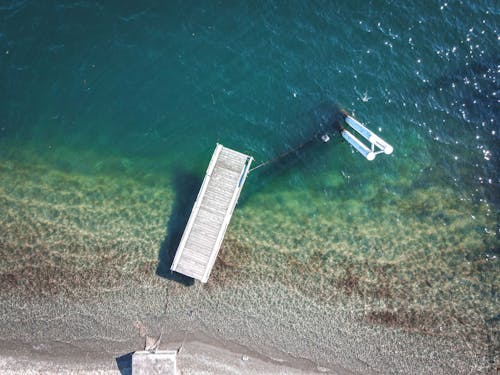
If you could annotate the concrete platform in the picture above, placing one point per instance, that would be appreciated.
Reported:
(162, 362)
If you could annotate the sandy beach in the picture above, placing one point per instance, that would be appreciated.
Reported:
(194, 358)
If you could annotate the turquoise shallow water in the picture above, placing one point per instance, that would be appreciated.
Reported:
(106, 105)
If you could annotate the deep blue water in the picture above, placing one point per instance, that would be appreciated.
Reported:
(167, 81)
(146, 89)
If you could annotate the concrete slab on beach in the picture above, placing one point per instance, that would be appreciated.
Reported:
(161, 362)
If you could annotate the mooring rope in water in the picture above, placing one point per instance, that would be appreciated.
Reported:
(281, 156)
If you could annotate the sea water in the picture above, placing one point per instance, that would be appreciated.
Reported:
(110, 111)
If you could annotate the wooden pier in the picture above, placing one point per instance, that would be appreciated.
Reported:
(211, 213)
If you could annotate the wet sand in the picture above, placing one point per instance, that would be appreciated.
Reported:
(55, 334)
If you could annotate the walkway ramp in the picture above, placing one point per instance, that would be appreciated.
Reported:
(212, 211)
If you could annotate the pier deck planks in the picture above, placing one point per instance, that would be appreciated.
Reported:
(211, 213)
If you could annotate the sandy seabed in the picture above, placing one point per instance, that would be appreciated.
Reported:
(79, 281)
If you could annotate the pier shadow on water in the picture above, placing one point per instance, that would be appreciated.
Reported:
(186, 187)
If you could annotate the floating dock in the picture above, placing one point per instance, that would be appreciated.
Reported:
(211, 213)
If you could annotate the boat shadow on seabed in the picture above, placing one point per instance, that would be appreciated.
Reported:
(318, 126)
